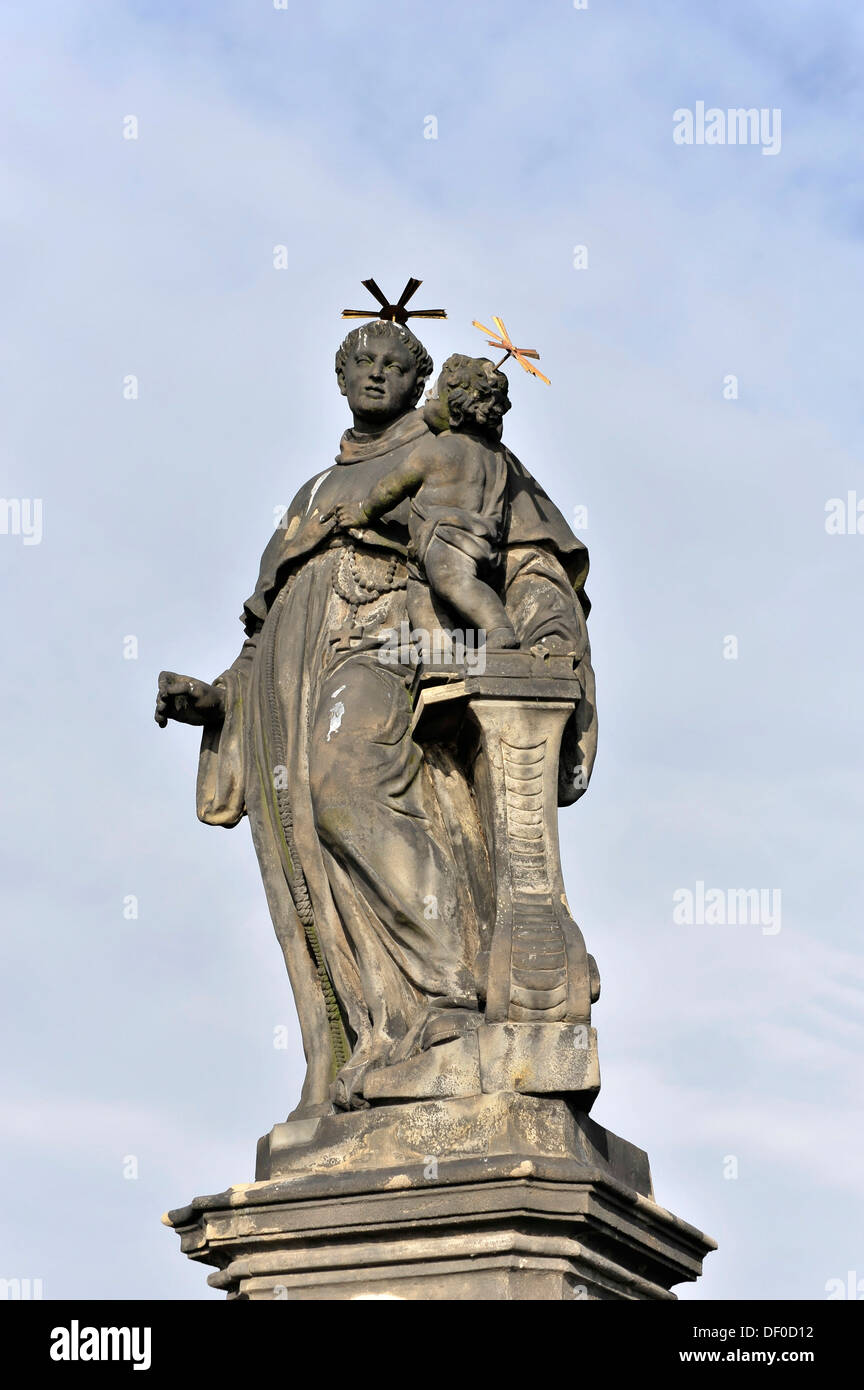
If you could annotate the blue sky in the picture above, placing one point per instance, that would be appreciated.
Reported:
(706, 519)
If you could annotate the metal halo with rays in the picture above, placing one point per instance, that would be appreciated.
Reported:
(393, 313)
(502, 339)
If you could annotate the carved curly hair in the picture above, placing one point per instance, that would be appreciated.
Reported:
(476, 394)
(386, 328)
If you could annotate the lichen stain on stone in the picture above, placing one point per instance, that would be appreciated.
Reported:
(238, 1191)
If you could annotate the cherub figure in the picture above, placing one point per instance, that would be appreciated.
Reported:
(456, 479)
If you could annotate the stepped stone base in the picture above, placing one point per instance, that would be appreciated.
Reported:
(490, 1197)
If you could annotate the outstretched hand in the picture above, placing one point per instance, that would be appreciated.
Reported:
(188, 700)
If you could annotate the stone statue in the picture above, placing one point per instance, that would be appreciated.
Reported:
(376, 863)
(413, 702)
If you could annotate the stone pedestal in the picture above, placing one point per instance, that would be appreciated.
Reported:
(509, 723)
(504, 1196)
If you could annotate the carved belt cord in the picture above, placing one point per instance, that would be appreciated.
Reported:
(296, 879)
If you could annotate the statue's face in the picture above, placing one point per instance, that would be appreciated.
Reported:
(379, 378)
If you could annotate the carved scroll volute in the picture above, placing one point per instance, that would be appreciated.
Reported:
(538, 966)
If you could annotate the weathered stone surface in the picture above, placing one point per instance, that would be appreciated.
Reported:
(530, 1058)
(450, 1069)
(540, 1058)
(548, 1206)
(392, 1139)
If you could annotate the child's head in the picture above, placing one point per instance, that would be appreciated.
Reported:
(470, 394)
